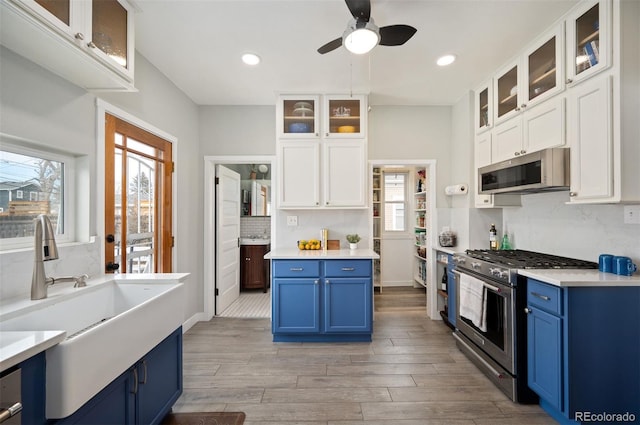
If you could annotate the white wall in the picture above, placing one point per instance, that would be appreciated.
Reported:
(46, 109)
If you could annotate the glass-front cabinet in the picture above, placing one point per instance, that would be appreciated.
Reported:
(105, 27)
(344, 116)
(543, 68)
(483, 107)
(506, 92)
(298, 117)
(588, 40)
(535, 76)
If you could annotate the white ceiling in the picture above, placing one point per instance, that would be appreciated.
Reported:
(197, 44)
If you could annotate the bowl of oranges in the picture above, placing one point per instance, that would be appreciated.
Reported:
(309, 245)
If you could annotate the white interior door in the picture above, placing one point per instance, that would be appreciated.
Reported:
(227, 237)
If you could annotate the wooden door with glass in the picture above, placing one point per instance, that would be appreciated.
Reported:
(138, 200)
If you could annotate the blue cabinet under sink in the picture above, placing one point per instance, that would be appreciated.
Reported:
(143, 394)
(322, 300)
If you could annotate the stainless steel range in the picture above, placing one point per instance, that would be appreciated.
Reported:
(498, 344)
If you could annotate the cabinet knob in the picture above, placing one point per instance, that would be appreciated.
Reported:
(569, 81)
(79, 36)
(517, 109)
(326, 134)
(526, 310)
(523, 152)
(516, 153)
(573, 193)
(327, 281)
(247, 259)
(524, 105)
(91, 45)
(316, 282)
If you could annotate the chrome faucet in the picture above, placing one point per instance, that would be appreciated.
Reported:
(46, 250)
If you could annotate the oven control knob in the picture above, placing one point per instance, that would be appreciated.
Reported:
(476, 266)
(459, 260)
(494, 272)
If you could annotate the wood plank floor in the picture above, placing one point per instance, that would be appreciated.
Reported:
(410, 374)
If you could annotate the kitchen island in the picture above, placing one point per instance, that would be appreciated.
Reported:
(322, 295)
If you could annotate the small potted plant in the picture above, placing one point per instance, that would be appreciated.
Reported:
(353, 240)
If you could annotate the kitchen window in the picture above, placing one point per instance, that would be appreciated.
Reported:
(34, 181)
(395, 201)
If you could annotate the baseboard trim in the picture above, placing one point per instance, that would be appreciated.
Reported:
(198, 317)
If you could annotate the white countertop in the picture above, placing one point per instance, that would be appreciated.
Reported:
(16, 347)
(330, 254)
(576, 277)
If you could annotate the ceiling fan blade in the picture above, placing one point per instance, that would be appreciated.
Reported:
(360, 9)
(396, 35)
(332, 45)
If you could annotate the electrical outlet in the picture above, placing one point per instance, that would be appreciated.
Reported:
(292, 220)
(632, 214)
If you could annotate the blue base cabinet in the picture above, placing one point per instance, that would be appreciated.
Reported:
(322, 300)
(451, 290)
(143, 394)
(584, 352)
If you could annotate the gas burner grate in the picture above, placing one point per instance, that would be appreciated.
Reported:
(522, 259)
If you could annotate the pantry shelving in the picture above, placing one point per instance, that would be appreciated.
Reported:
(376, 200)
(420, 227)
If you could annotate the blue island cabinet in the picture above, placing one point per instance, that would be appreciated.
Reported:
(143, 394)
(583, 348)
(322, 300)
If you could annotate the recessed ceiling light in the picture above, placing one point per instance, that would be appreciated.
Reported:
(251, 59)
(446, 60)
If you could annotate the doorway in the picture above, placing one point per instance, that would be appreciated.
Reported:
(138, 199)
(403, 219)
(212, 251)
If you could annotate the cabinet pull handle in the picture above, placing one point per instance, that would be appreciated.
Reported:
(483, 361)
(79, 36)
(135, 381)
(348, 269)
(144, 380)
(542, 297)
(296, 269)
(8, 412)
(91, 44)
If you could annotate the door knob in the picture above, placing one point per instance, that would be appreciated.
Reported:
(111, 267)
(110, 238)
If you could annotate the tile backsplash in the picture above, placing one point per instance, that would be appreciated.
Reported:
(255, 226)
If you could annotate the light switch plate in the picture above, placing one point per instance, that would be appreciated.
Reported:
(632, 214)
(292, 220)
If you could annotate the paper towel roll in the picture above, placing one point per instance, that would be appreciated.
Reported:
(456, 189)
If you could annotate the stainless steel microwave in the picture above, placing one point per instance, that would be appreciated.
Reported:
(546, 170)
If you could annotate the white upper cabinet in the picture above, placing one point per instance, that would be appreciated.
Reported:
(89, 43)
(322, 151)
(588, 39)
(299, 174)
(298, 117)
(483, 108)
(532, 78)
(344, 174)
(344, 116)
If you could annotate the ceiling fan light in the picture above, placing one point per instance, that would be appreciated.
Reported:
(361, 40)
(251, 59)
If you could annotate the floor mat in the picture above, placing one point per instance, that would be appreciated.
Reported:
(204, 418)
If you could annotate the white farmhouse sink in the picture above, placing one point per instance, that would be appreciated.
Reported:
(109, 327)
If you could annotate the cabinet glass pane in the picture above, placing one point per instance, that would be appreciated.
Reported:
(58, 8)
(508, 91)
(483, 101)
(587, 39)
(299, 116)
(110, 29)
(344, 116)
(542, 69)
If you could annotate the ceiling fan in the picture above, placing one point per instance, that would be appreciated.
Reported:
(362, 34)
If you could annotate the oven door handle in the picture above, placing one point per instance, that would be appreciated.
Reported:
(477, 356)
(493, 288)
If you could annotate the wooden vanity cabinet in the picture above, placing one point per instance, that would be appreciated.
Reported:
(254, 269)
